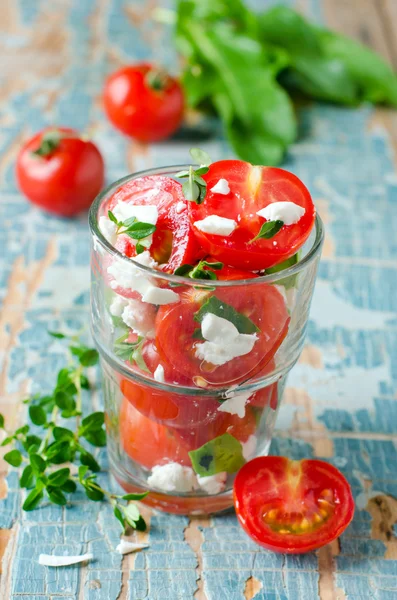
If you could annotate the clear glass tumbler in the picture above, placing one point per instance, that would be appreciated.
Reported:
(177, 425)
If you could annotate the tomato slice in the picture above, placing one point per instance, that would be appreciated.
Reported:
(251, 189)
(292, 506)
(174, 242)
(148, 442)
(175, 327)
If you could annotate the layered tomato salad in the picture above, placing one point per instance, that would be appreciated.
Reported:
(194, 319)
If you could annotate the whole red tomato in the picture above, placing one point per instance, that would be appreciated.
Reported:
(144, 102)
(59, 171)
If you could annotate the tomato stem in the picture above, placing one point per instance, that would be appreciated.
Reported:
(157, 79)
(49, 143)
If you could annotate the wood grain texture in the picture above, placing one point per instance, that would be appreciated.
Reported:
(341, 403)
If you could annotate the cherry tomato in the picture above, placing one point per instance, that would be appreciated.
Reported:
(175, 327)
(59, 171)
(147, 442)
(251, 189)
(144, 102)
(292, 506)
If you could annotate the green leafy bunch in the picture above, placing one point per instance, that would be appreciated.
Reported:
(195, 187)
(47, 440)
(244, 65)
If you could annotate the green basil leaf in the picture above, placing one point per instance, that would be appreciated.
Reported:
(139, 231)
(93, 422)
(64, 400)
(96, 438)
(131, 514)
(94, 494)
(200, 157)
(59, 452)
(89, 358)
(69, 486)
(140, 524)
(33, 499)
(87, 459)
(7, 440)
(224, 453)
(287, 282)
(139, 248)
(135, 496)
(191, 190)
(59, 477)
(38, 464)
(37, 415)
(56, 496)
(61, 433)
(197, 335)
(82, 472)
(112, 217)
(22, 430)
(117, 513)
(84, 382)
(202, 171)
(221, 309)
(183, 270)
(31, 444)
(57, 334)
(27, 477)
(268, 230)
(14, 458)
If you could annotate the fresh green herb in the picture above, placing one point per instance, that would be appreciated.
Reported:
(131, 351)
(221, 309)
(243, 65)
(56, 445)
(49, 142)
(223, 453)
(287, 282)
(203, 270)
(136, 230)
(268, 230)
(195, 187)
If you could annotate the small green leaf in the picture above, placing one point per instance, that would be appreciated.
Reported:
(31, 443)
(69, 486)
(202, 170)
(200, 157)
(64, 400)
(89, 358)
(27, 477)
(38, 463)
(131, 514)
(287, 282)
(1, 421)
(112, 217)
(183, 270)
(268, 230)
(7, 440)
(197, 335)
(212, 265)
(82, 472)
(93, 422)
(191, 190)
(224, 453)
(59, 477)
(14, 458)
(117, 513)
(139, 231)
(57, 334)
(135, 496)
(33, 499)
(221, 309)
(37, 415)
(61, 433)
(94, 494)
(56, 496)
(84, 382)
(96, 438)
(22, 430)
(59, 452)
(140, 524)
(87, 459)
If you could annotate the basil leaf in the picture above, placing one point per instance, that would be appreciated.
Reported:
(89, 358)
(119, 516)
(86, 458)
(37, 415)
(59, 477)
(57, 334)
(221, 309)
(135, 496)
(56, 496)
(33, 499)
(268, 230)
(191, 190)
(139, 248)
(14, 458)
(69, 486)
(27, 477)
(287, 282)
(200, 157)
(139, 231)
(112, 217)
(223, 453)
(38, 464)
(183, 270)
(61, 433)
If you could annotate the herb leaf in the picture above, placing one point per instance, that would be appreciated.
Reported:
(14, 458)
(268, 230)
(223, 453)
(200, 157)
(203, 270)
(221, 309)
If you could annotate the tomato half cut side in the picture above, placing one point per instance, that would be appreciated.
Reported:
(292, 506)
(252, 188)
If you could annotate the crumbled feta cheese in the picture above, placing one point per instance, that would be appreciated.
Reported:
(249, 447)
(222, 187)
(159, 374)
(287, 212)
(156, 295)
(108, 229)
(173, 477)
(126, 547)
(216, 225)
(117, 306)
(235, 404)
(50, 560)
(223, 341)
(180, 207)
(145, 213)
(213, 484)
(140, 317)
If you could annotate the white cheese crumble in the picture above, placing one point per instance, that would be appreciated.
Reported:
(108, 229)
(139, 317)
(213, 484)
(50, 560)
(127, 276)
(180, 207)
(235, 404)
(249, 447)
(223, 341)
(287, 212)
(159, 374)
(173, 477)
(222, 187)
(126, 547)
(216, 225)
(145, 213)
(118, 305)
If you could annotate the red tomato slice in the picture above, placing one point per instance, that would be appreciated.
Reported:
(292, 506)
(174, 242)
(251, 189)
(175, 326)
(147, 442)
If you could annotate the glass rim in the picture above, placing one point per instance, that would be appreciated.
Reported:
(171, 170)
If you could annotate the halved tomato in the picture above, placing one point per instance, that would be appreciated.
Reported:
(292, 506)
(176, 326)
(251, 189)
(148, 442)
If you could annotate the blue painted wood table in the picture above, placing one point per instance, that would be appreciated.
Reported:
(341, 402)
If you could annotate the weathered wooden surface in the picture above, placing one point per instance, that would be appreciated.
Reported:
(341, 403)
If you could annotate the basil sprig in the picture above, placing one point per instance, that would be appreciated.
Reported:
(195, 187)
(137, 230)
(203, 270)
